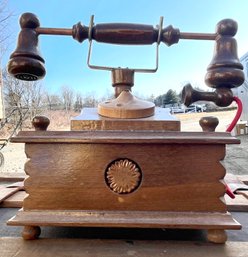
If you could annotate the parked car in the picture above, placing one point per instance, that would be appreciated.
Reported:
(177, 110)
(195, 108)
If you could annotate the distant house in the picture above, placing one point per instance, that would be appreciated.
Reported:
(242, 91)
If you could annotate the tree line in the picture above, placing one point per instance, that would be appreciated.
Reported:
(23, 99)
(32, 95)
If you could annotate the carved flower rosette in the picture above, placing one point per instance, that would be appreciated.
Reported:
(123, 176)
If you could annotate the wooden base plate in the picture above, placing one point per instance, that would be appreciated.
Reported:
(89, 119)
(138, 219)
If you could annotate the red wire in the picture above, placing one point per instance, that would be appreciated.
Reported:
(229, 129)
(229, 192)
(238, 114)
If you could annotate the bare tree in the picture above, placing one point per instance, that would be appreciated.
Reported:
(90, 100)
(51, 101)
(5, 16)
(68, 97)
(78, 105)
(21, 97)
(5, 33)
(109, 94)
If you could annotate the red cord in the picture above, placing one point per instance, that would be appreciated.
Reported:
(238, 114)
(229, 129)
(229, 192)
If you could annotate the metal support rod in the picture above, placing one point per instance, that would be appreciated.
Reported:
(182, 35)
(54, 31)
(198, 36)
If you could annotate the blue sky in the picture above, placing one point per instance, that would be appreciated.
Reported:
(181, 63)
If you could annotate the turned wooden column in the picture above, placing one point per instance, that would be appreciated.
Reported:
(40, 123)
(125, 105)
(217, 236)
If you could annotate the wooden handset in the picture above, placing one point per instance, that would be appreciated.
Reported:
(26, 62)
(223, 73)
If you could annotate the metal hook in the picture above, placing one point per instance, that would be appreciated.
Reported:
(96, 67)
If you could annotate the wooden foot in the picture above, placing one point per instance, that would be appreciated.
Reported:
(31, 232)
(217, 236)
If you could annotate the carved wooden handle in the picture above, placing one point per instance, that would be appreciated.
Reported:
(125, 33)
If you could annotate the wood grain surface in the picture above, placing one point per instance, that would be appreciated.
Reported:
(174, 177)
(14, 201)
(128, 137)
(133, 219)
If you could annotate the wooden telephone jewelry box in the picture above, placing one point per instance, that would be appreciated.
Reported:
(127, 164)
